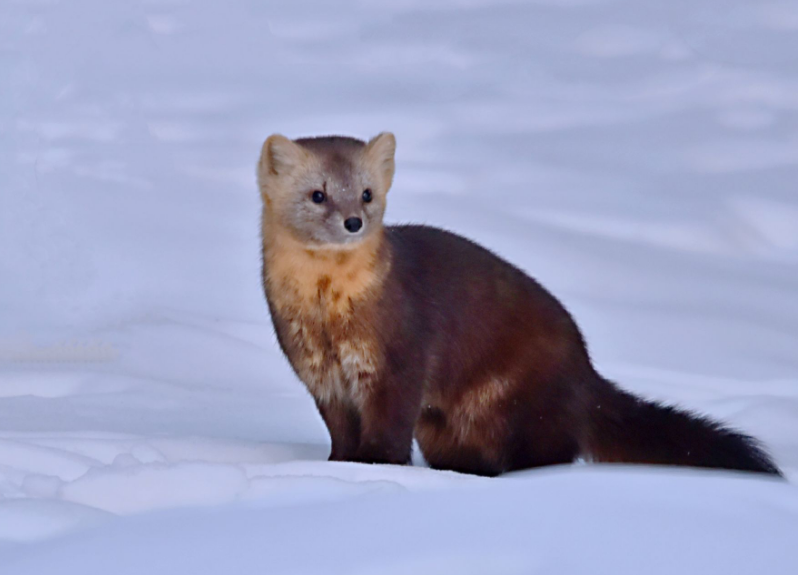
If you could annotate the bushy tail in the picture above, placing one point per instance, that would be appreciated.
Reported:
(625, 429)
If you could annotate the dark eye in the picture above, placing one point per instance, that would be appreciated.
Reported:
(367, 197)
(318, 197)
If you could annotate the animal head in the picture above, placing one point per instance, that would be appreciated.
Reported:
(327, 191)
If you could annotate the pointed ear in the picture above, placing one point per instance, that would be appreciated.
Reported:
(278, 156)
(380, 156)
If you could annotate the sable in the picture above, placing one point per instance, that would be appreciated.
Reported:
(403, 331)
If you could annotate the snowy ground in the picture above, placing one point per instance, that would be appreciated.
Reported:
(640, 159)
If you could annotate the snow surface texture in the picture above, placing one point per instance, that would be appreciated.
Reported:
(638, 158)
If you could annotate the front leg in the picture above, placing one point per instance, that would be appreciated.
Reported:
(343, 423)
(388, 415)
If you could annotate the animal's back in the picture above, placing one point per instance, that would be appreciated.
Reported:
(469, 297)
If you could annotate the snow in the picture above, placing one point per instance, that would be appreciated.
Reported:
(639, 159)
(561, 521)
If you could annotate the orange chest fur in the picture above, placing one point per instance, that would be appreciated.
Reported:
(323, 305)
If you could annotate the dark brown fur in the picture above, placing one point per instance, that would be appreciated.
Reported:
(476, 360)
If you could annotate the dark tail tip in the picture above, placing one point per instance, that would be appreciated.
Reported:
(755, 452)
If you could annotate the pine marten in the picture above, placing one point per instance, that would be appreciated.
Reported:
(412, 331)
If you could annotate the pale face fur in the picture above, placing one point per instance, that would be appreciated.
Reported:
(289, 172)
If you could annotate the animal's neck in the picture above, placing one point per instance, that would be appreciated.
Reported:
(301, 276)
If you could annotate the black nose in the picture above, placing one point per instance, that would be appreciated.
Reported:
(353, 224)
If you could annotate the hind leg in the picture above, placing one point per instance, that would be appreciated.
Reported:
(489, 455)
(443, 448)
(489, 435)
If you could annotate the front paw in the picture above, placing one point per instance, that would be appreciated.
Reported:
(382, 454)
(337, 456)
